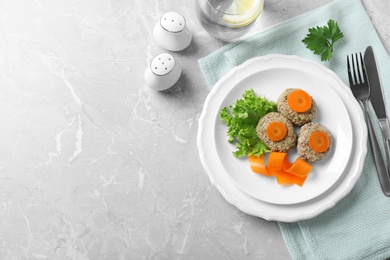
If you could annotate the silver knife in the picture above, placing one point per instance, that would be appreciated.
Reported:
(377, 99)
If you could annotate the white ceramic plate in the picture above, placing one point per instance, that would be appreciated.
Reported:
(282, 212)
(270, 78)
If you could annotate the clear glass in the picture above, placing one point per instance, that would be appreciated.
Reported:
(228, 20)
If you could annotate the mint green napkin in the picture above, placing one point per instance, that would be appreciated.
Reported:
(358, 227)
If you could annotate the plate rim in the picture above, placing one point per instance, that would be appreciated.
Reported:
(350, 182)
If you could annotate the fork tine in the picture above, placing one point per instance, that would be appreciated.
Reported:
(353, 69)
(358, 70)
(349, 72)
(363, 68)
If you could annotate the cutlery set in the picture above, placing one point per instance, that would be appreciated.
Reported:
(366, 86)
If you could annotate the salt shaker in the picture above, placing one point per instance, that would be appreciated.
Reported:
(171, 32)
(163, 72)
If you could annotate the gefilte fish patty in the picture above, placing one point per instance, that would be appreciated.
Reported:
(303, 148)
(297, 118)
(284, 145)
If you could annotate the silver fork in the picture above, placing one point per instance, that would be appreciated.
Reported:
(361, 90)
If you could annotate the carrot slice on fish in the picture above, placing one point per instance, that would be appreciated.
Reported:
(299, 100)
(276, 131)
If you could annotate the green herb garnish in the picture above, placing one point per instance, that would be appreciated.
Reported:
(320, 40)
(242, 118)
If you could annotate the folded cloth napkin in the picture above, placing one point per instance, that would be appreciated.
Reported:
(358, 227)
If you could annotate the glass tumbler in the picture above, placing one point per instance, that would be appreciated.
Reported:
(228, 20)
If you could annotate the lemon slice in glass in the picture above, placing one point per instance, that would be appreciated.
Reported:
(242, 12)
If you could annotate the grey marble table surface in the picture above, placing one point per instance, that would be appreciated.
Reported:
(95, 165)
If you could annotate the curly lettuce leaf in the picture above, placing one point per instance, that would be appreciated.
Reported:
(242, 118)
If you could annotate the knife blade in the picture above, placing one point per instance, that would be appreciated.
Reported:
(376, 91)
(377, 98)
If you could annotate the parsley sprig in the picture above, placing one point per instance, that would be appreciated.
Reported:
(320, 40)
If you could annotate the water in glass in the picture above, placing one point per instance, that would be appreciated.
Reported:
(228, 19)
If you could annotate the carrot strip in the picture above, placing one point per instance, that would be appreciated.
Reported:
(319, 141)
(299, 168)
(257, 165)
(299, 180)
(299, 100)
(286, 173)
(284, 178)
(276, 131)
(275, 160)
(286, 164)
